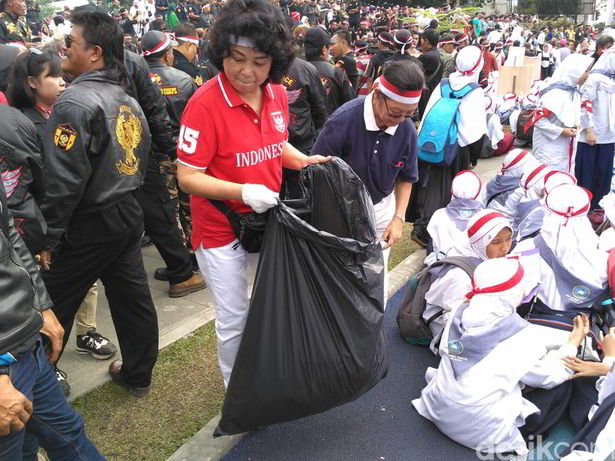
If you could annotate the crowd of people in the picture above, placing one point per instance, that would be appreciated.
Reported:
(169, 122)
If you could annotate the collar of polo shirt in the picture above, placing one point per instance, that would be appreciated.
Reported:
(370, 119)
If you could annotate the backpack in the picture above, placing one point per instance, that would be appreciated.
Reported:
(524, 118)
(412, 326)
(438, 136)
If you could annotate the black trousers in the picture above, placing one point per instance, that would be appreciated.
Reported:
(160, 225)
(105, 245)
(434, 188)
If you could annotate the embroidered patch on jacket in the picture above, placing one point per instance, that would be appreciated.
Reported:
(64, 137)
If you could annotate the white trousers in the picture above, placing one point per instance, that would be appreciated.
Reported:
(229, 274)
(384, 211)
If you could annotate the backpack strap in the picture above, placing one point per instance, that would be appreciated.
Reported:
(445, 88)
(465, 90)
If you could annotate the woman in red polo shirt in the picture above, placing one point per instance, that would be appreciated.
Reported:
(232, 147)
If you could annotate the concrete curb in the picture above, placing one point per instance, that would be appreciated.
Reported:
(202, 446)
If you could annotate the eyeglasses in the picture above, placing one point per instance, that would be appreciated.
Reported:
(395, 116)
(68, 41)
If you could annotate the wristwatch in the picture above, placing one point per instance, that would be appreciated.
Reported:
(400, 217)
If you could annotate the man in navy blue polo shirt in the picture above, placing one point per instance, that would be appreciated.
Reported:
(376, 137)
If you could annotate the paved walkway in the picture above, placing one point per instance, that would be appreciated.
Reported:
(353, 430)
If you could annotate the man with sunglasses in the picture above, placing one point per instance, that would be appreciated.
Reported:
(96, 144)
(376, 137)
(186, 51)
(13, 27)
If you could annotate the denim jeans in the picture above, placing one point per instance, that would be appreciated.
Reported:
(54, 424)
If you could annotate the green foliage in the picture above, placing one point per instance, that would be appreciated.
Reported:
(549, 7)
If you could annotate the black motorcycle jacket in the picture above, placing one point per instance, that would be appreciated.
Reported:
(336, 84)
(22, 290)
(21, 169)
(152, 103)
(97, 143)
(306, 104)
(176, 87)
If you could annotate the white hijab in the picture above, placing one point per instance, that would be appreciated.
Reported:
(487, 309)
(533, 181)
(606, 62)
(566, 105)
(469, 63)
(482, 229)
(569, 234)
(517, 161)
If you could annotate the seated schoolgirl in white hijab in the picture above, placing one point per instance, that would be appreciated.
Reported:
(447, 226)
(488, 354)
(488, 236)
(573, 270)
(556, 122)
(503, 192)
(530, 225)
(606, 241)
(596, 441)
(533, 183)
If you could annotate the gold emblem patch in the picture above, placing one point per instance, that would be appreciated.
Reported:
(169, 91)
(288, 81)
(64, 137)
(12, 28)
(155, 78)
(198, 80)
(128, 133)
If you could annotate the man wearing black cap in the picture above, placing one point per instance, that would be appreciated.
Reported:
(335, 81)
(159, 209)
(13, 27)
(385, 51)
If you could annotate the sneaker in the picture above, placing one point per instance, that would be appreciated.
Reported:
(96, 345)
(61, 377)
(146, 241)
(194, 283)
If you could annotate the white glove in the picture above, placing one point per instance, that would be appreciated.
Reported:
(259, 197)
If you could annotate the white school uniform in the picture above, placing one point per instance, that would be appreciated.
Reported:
(487, 392)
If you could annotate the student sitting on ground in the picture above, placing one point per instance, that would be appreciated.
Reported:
(573, 271)
(489, 354)
(530, 224)
(532, 182)
(447, 226)
(503, 192)
(489, 236)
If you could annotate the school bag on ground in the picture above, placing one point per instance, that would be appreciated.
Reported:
(410, 320)
(438, 136)
(522, 133)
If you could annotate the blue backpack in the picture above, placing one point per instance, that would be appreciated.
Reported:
(438, 136)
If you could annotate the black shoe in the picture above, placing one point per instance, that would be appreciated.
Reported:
(161, 274)
(61, 377)
(96, 345)
(146, 241)
(418, 236)
(115, 370)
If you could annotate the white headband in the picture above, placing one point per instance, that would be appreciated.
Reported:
(240, 40)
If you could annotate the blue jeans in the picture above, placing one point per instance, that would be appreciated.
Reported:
(54, 423)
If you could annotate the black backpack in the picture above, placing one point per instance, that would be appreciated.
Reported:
(412, 326)
(522, 134)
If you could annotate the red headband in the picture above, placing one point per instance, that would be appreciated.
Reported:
(516, 160)
(504, 286)
(471, 71)
(533, 174)
(569, 213)
(482, 221)
(480, 183)
(391, 91)
(553, 172)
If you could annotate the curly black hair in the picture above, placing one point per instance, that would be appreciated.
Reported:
(259, 21)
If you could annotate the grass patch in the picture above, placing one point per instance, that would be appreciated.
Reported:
(402, 249)
(188, 392)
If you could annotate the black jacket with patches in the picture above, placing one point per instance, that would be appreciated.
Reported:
(176, 87)
(181, 63)
(306, 104)
(23, 292)
(336, 84)
(96, 142)
(21, 169)
(152, 103)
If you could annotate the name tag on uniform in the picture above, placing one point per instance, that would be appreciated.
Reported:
(169, 91)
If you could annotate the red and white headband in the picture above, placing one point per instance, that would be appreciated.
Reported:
(482, 221)
(570, 212)
(384, 39)
(462, 39)
(469, 172)
(445, 42)
(391, 91)
(504, 286)
(161, 46)
(516, 160)
(533, 175)
(194, 39)
(471, 71)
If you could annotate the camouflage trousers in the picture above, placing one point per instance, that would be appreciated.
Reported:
(179, 199)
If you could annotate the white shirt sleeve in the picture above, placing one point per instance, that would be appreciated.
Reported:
(550, 371)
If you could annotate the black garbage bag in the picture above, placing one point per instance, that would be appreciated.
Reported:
(313, 338)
